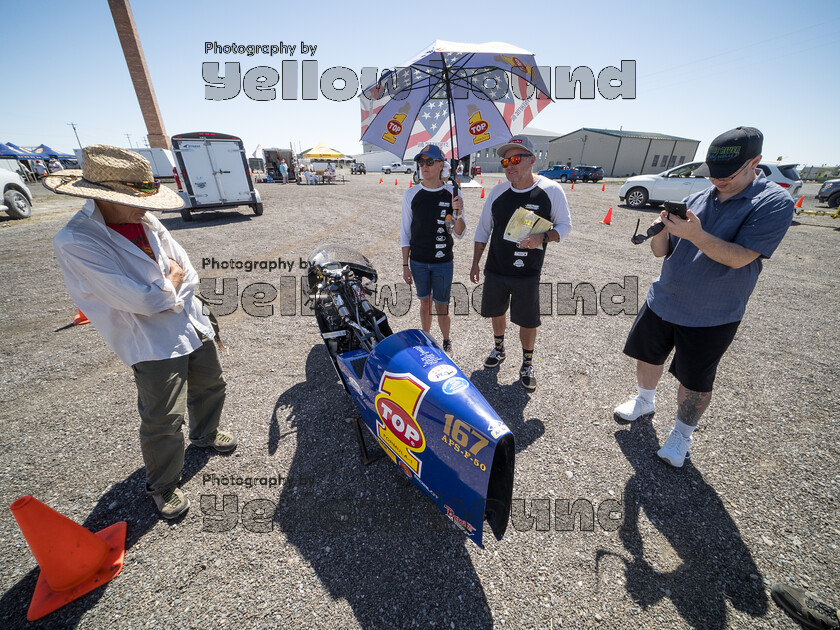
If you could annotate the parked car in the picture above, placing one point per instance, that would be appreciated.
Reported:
(396, 167)
(830, 193)
(560, 171)
(17, 199)
(589, 173)
(677, 183)
(475, 170)
(358, 168)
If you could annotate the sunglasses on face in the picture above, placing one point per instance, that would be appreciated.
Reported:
(514, 159)
(731, 177)
(142, 188)
(427, 162)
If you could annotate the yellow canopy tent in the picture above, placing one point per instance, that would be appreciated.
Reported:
(322, 152)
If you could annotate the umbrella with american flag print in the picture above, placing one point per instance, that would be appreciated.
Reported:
(460, 97)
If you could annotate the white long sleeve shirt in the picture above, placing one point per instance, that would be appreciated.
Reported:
(125, 294)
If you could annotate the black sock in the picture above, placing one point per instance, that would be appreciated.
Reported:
(500, 342)
(527, 357)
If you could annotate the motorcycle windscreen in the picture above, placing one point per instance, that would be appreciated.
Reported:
(437, 427)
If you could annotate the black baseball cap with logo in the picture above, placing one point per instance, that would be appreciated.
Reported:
(730, 150)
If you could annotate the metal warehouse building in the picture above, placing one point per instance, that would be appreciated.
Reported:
(622, 153)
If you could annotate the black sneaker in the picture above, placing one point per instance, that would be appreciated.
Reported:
(527, 378)
(494, 359)
(172, 503)
(447, 347)
(804, 607)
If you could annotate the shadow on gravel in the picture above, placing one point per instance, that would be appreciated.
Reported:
(217, 217)
(712, 563)
(509, 402)
(372, 538)
(124, 501)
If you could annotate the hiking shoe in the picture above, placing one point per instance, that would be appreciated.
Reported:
(447, 347)
(805, 608)
(494, 359)
(675, 450)
(634, 409)
(527, 378)
(172, 503)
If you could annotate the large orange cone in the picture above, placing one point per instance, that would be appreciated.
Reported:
(500, 181)
(80, 319)
(73, 560)
(410, 183)
(380, 180)
(603, 186)
(607, 218)
(395, 182)
(799, 203)
(573, 185)
(482, 193)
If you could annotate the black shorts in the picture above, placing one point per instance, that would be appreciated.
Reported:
(698, 350)
(521, 294)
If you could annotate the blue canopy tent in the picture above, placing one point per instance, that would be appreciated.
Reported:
(44, 151)
(23, 154)
(8, 154)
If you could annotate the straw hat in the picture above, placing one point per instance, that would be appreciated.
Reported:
(106, 174)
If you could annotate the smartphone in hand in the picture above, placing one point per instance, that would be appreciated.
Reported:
(677, 208)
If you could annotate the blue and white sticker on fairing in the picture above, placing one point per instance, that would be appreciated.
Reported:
(455, 385)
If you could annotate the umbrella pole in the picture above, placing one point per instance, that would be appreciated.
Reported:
(453, 162)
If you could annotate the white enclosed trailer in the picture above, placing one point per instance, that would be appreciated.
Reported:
(213, 170)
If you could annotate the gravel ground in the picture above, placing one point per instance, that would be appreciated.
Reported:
(335, 544)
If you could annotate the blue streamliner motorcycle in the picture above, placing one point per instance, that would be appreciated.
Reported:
(421, 409)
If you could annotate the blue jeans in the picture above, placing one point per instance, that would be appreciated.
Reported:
(433, 279)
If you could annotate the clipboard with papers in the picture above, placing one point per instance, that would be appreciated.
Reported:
(524, 223)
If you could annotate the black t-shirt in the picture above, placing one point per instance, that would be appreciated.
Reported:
(430, 242)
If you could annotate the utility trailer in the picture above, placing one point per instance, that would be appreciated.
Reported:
(213, 170)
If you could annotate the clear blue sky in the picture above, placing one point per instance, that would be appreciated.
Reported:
(702, 68)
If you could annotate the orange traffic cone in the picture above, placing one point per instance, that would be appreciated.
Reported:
(482, 193)
(500, 181)
(395, 182)
(799, 203)
(411, 183)
(380, 180)
(607, 218)
(73, 560)
(80, 319)
(603, 186)
(482, 181)
(573, 185)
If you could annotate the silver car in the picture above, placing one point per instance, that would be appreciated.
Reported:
(17, 199)
(677, 183)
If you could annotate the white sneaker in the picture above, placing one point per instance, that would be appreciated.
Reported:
(634, 409)
(675, 450)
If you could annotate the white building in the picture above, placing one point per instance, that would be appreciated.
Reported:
(622, 153)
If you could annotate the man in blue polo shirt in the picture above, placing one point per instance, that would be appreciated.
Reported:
(712, 262)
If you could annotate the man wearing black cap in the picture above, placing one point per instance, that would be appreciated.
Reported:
(512, 272)
(712, 262)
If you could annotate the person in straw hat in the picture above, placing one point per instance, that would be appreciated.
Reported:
(135, 283)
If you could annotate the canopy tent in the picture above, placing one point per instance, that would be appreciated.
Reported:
(44, 151)
(6, 151)
(322, 152)
(23, 154)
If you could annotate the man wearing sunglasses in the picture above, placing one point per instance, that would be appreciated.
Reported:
(136, 285)
(712, 263)
(512, 271)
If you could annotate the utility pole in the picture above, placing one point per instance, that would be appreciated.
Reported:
(136, 62)
(129, 141)
(77, 135)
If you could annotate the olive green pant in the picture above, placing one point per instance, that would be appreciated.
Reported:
(166, 390)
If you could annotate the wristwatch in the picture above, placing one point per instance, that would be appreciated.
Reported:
(545, 238)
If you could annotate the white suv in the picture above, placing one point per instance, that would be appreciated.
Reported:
(17, 200)
(677, 183)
